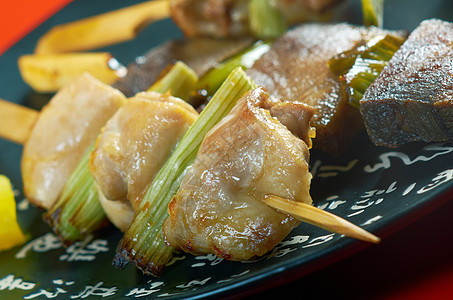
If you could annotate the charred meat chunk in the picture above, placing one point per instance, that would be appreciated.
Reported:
(412, 98)
(248, 155)
(296, 67)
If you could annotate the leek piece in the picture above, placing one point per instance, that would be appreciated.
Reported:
(180, 81)
(373, 12)
(266, 22)
(143, 242)
(77, 211)
(360, 66)
(211, 81)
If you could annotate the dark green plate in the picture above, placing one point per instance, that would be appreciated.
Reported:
(374, 187)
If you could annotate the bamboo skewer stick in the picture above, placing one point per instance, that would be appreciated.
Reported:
(104, 29)
(16, 121)
(320, 218)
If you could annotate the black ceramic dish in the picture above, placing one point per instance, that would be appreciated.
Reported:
(374, 187)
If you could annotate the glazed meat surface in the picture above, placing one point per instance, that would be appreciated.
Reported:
(296, 68)
(248, 155)
(66, 127)
(132, 148)
(225, 18)
(412, 99)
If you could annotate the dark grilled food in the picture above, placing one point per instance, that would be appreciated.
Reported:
(412, 99)
(254, 151)
(230, 18)
(200, 54)
(296, 67)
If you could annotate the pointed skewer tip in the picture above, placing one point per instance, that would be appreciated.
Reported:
(309, 214)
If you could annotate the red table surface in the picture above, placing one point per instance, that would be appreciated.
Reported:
(19, 17)
(414, 263)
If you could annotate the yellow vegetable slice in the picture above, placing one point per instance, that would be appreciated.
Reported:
(50, 72)
(10, 233)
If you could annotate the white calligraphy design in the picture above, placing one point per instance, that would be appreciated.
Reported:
(47, 242)
(386, 163)
(10, 282)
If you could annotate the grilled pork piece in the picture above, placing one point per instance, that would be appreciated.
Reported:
(200, 54)
(224, 18)
(248, 155)
(132, 148)
(66, 127)
(412, 99)
(296, 68)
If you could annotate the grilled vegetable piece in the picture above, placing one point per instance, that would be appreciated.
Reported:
(373, 12)
(77, 211)
(249, 154)
(231, 18)
(296, 68)
(360, 66)
(412, 99)
(66, 127)
(214, 78)
(200, 54)
(180, 82)
(132, 148)
(50, 72)
(265, 20)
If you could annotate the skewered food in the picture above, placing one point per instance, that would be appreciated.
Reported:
(143, 243)
(412, 100)
(78, 211)
(231, 17)
(286, 129)
(133, 146)
(63, 132)
(249, 154)
(290, 114)
(296, 67)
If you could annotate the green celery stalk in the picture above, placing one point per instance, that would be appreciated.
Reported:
(77, 211)
(143, 242)
(180, 81)
(211, 81)
(266, 22)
